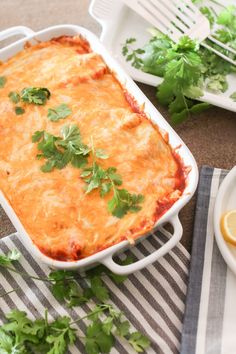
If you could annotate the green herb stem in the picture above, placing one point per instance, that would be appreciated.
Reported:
(26, 275)
(9, 292)
(101, 309)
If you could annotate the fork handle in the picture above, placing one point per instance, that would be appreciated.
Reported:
(218, 53)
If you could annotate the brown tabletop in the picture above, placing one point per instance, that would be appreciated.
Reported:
(211, 136)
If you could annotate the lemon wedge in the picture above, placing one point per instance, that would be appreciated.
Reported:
(228, 226)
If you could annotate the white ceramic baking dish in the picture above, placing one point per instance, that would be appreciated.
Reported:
(171, 216)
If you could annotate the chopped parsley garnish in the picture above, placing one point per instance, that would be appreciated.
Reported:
(60, 112)
(14, 97)
(124, 202)
(35, 95)
(59, 151)
(106, 180)
(3, 81)
(19, 110)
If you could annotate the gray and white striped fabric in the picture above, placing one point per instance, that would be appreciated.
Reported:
(153, 299)
(210, 316)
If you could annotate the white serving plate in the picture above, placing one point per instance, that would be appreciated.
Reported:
(119, 22)
(171, 216)
(225, 201)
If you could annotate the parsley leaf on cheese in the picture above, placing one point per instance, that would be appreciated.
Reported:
(124, 202)
(19, 110)
(132, 55)
(59, 151)
(106, 180)
(3, 81)
(35, 95)
(60, 112)
(14, 97)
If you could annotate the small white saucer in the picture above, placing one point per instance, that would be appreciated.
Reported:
(225, 201)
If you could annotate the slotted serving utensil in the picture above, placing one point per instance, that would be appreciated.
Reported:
(177, 18)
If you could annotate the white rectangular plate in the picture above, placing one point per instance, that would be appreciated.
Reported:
(119, 23)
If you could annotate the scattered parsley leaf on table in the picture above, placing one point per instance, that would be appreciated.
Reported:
(98, 289)
(6, 260)
(97, 341)
(139, 342)
(60, 112)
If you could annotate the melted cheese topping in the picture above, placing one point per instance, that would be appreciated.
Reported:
(63, 221)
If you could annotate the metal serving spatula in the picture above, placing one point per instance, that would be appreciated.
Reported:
(177, 18)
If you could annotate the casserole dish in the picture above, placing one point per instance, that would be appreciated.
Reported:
(105, 256)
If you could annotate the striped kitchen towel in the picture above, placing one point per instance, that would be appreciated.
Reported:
(153, 299)
(210, 316)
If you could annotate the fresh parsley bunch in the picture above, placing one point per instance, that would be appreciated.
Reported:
(21, 335)
(185, 67)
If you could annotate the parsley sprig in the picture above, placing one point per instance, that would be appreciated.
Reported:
(3, 81)
(15, 98)
(60, 112)
(60, 151)
(20, 335)
(72, 290)
(106, 180)
(134, 54)
(35, 95)
(181, 67)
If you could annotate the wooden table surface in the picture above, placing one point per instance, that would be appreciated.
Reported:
(211, 136)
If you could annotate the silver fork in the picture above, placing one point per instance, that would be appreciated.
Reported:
(177, 18)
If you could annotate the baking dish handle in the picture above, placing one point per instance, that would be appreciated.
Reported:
(127, 269)
(12, 31)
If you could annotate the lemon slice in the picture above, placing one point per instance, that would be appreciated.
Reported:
(228, 226)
